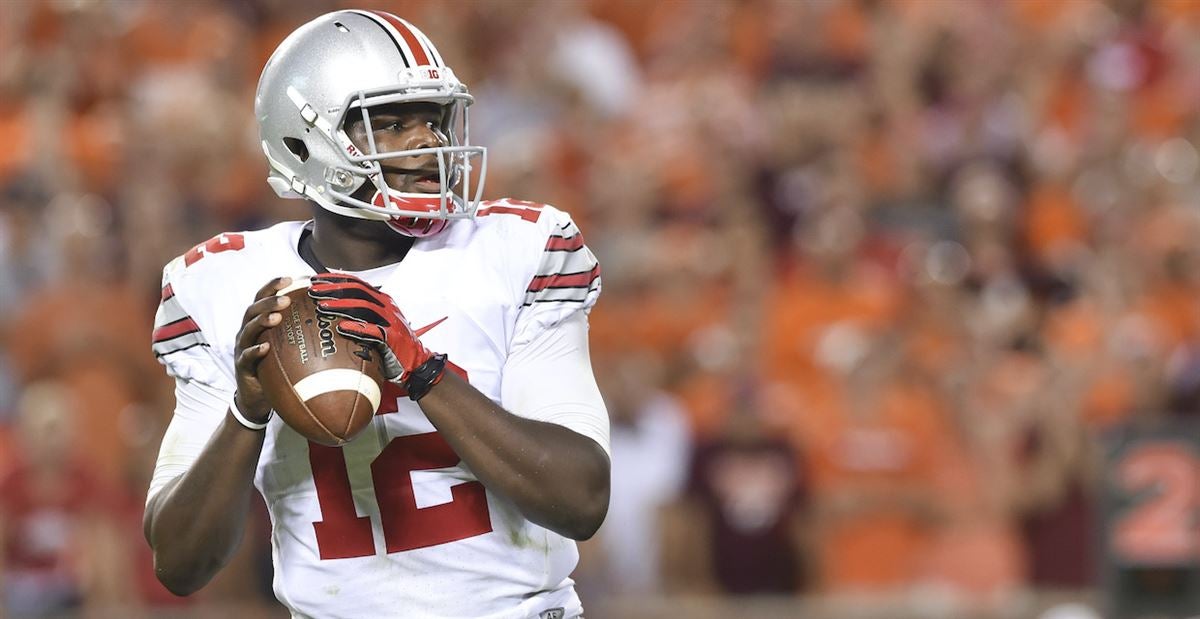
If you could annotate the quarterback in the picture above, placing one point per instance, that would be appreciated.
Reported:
(489, 455)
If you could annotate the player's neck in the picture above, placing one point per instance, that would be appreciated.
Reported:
(351, 244)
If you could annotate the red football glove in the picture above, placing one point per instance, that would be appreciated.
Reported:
(372, 317)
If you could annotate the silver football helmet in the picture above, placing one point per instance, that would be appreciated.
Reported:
(344, 63)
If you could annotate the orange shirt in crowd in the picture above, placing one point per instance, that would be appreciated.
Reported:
(1053, 221)
(874, 468)
(1174, 312)
(16, 134)
(802, 305)
(96, 344)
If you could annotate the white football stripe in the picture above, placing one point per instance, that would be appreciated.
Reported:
(297, 283)
(327, 381)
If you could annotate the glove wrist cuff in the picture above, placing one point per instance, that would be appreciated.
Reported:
(422, 379)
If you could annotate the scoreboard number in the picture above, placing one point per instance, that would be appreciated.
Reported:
(1151, 515)
(1161, 527)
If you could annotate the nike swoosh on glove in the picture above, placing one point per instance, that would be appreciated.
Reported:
(371, 316)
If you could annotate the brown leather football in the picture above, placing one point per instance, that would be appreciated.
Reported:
(324, 385)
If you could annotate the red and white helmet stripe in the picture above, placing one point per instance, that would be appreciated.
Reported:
(414, 46)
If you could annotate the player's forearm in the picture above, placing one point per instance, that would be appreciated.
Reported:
(195, 523)
(558, 478)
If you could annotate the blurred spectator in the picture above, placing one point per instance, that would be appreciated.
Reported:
(1058, 503)
(651, 445)
(875, 436)
(58, 545)
(86, 329)
(26, 263)
(742, 528)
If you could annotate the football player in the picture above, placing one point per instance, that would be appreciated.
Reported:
(489, 455)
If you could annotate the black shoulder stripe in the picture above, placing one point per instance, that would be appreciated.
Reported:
(160, 355)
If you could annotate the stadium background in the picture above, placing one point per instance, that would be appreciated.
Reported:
(882, 281)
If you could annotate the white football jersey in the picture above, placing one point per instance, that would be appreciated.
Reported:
(393, 524)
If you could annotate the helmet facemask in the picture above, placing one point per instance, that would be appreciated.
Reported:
(409, 213)
(340, 68)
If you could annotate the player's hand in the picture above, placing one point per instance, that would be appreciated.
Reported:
(262, 314)
(372, 317)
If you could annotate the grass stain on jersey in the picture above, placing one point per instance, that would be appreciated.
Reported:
(521, 539)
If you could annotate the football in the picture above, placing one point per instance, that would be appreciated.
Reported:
(324, 385)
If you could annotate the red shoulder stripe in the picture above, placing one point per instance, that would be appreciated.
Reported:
(558, 243)
(170, 331)
(583, 279)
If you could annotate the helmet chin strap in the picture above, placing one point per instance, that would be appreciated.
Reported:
(409, 225)
(337, 206)
(355, 213)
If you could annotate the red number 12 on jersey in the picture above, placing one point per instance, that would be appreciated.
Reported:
(342, 533)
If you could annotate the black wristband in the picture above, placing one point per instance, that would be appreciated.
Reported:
(422, 379)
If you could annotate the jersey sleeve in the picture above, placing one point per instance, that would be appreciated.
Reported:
(179, 342)
(565, 281)
(548, 374)
(203, 390)
(570, 398)
(199, 409)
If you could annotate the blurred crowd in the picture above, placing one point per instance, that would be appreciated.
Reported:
(879, 275)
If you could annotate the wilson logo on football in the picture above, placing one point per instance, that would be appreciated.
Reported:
(328, 346)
